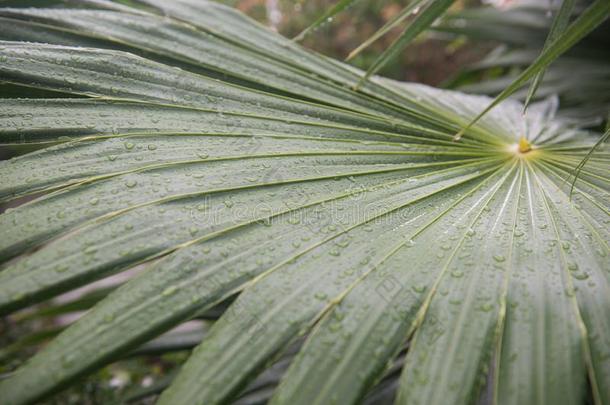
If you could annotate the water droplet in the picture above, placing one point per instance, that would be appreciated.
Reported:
(457, 274)
(60, 268)
(334, 327)
(334, 252)
(419, 288)
(499, 258)
(169, 291)
(131, 183)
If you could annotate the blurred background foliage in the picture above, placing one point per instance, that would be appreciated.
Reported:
(478, 47)
(431, 59)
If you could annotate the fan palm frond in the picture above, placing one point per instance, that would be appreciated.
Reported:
(228, 161)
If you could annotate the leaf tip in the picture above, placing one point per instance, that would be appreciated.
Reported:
(351, 55)
(459, 135)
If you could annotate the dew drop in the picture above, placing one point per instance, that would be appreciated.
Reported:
(419, 288)
(61, 268)
(499, 258)
(131, 183)
(334, 252)
(169, 291)
(457, 274)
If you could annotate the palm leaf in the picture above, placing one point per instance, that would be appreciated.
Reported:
(226, 160)
(560, 23)
(584, 161)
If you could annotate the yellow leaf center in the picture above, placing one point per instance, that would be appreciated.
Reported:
(524, 145)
